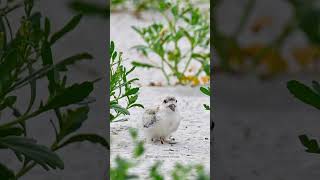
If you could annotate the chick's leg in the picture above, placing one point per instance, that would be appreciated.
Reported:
(162, 140)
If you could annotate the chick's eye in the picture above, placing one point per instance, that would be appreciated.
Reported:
(176, 101)
(165, 101)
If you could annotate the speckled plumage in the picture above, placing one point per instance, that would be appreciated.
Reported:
(160, 122)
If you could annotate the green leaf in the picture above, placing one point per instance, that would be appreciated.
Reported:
(131, 91)
(46, 54)
(309, 23)
(163, 5)
(133, 133)
(47, 28)
(316, 87)
(175, 10)
(67, 28)
(71, 95)
(304, 93)
(311, 144)
(6, 173)
(138, 30)
(120, 171)
(114, 55)
(11, 131)
(154, 172)
(8, 102)
(3, 34)
(136, 105)
(206, 68)
(132, 69)
(112, 117)
(8, 65)
(111, 49)
(93, 138)
(205, 90)
(201, 57)
(62, 66)
(47, 59)
(308, 18)
(139, 149)
(142, 49)
(33, 89)
(144, 65)
(38, 153)
(119, 108)
(187, 34)
(91, 9)
(73, 120)
(207, 107)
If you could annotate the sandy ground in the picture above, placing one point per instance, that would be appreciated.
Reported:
(193, 135)
(257, 129)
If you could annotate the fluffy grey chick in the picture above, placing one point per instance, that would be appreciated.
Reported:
(160, 122)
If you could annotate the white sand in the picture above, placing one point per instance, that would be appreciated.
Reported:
(193, 135)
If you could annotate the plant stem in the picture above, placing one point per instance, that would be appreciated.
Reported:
(23, 118)
(189, 60)
(163, 71)
(59, 116)
(9, 26)
(25, 170)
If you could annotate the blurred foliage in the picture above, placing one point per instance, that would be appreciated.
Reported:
(26, 57)
(89, 8)
(120, 86)
(307, 14)
(138, 6)
(186, 27)
(123, 167)
(310, 96)
(267, 59)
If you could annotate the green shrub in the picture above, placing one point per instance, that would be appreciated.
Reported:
(184, 23)
(120, 86)
(26, 57)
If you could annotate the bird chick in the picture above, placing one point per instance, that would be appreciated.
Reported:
(160, 122)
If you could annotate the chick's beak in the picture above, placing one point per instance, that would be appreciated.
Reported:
(172, 107)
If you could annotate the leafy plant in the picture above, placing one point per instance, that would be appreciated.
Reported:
(26, 57)
(310, 96)
(121, 170)
(185, 24)
(120, 86)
